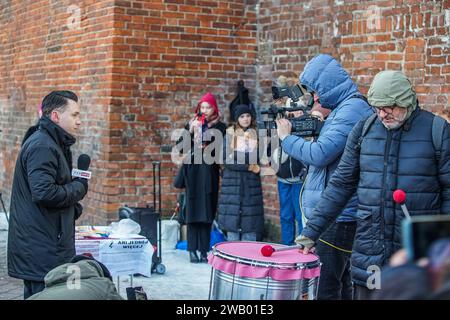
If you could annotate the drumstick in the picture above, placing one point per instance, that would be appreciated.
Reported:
(268, 250)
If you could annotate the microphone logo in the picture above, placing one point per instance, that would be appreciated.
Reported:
(83, 165)
(81, 174)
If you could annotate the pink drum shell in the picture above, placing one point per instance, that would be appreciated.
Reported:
(244, 259)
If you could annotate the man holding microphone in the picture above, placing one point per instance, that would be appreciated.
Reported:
(44, 199)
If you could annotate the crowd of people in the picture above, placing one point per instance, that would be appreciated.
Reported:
(335, 190)
(366, 149)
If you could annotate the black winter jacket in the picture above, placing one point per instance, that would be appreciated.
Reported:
(43, 204)
(241, 206)
(386, 160)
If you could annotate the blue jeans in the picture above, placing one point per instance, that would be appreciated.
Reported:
(289, 195)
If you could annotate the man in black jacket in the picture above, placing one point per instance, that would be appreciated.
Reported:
(44, 199)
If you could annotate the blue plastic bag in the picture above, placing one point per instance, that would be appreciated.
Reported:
(216, 237)
(182, 245)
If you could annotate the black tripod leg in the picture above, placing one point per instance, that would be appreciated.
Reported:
(159, 211)
(157, 180)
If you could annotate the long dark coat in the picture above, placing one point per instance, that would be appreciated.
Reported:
(241, 206)
(202, 186)
(43, 204)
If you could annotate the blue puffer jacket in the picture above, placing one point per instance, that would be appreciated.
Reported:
(325, 76)
(385, 161)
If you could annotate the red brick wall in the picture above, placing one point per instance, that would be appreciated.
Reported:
(168, 54)
(47, 45)
(140, 67)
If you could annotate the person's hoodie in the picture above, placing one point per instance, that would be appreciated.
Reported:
(83, 280)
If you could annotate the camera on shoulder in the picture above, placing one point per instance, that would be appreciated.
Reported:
(305, 125)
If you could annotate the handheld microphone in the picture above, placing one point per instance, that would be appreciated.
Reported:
(201, 117)
(400, 197)
(84, 161)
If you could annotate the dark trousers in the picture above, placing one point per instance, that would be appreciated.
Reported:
(198, 236)
(32, 287)
(361, 293)
(335, 278)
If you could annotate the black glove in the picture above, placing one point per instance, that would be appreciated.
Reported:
(78, 210)
(83, 181)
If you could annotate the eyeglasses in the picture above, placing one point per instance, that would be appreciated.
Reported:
(387, 110)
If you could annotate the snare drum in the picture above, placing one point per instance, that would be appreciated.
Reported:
(240, 272)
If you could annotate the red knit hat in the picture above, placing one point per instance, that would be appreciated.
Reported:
(208, 97)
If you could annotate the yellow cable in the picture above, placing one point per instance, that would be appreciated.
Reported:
(333, 246)
(304, 220)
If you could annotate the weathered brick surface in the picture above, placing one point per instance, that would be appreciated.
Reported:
(49, 45)
(10, 288)
(139, 68)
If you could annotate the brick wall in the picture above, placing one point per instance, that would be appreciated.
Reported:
(168, 54)
(47, 45)
(140, 67)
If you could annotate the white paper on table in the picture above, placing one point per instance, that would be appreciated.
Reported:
(126, 256)
(88, 246)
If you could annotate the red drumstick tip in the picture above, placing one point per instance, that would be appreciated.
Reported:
(399, 196)
(267, 250)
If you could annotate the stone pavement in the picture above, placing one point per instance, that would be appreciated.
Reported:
(182, 280)
(10, 288)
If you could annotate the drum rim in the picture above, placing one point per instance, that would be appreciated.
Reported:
(257, 263)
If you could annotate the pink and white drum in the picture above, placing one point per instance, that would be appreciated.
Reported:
(240, 272)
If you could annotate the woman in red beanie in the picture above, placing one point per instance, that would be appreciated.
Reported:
(201, 180)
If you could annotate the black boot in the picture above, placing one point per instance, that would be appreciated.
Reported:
(203, 257)
(193, 257)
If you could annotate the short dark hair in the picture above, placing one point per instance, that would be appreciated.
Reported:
(56, 100)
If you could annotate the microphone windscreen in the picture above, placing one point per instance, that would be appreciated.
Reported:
(84, 161)
(399, 196)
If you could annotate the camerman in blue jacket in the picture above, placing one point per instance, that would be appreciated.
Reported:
(334, 90)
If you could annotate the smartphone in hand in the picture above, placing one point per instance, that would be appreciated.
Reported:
(420, 232)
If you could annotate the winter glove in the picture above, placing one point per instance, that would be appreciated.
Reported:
(78, 210)
(307, 243)
(83, 181)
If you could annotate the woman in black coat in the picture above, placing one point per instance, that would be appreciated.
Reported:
(200, 178)
(241, 210)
